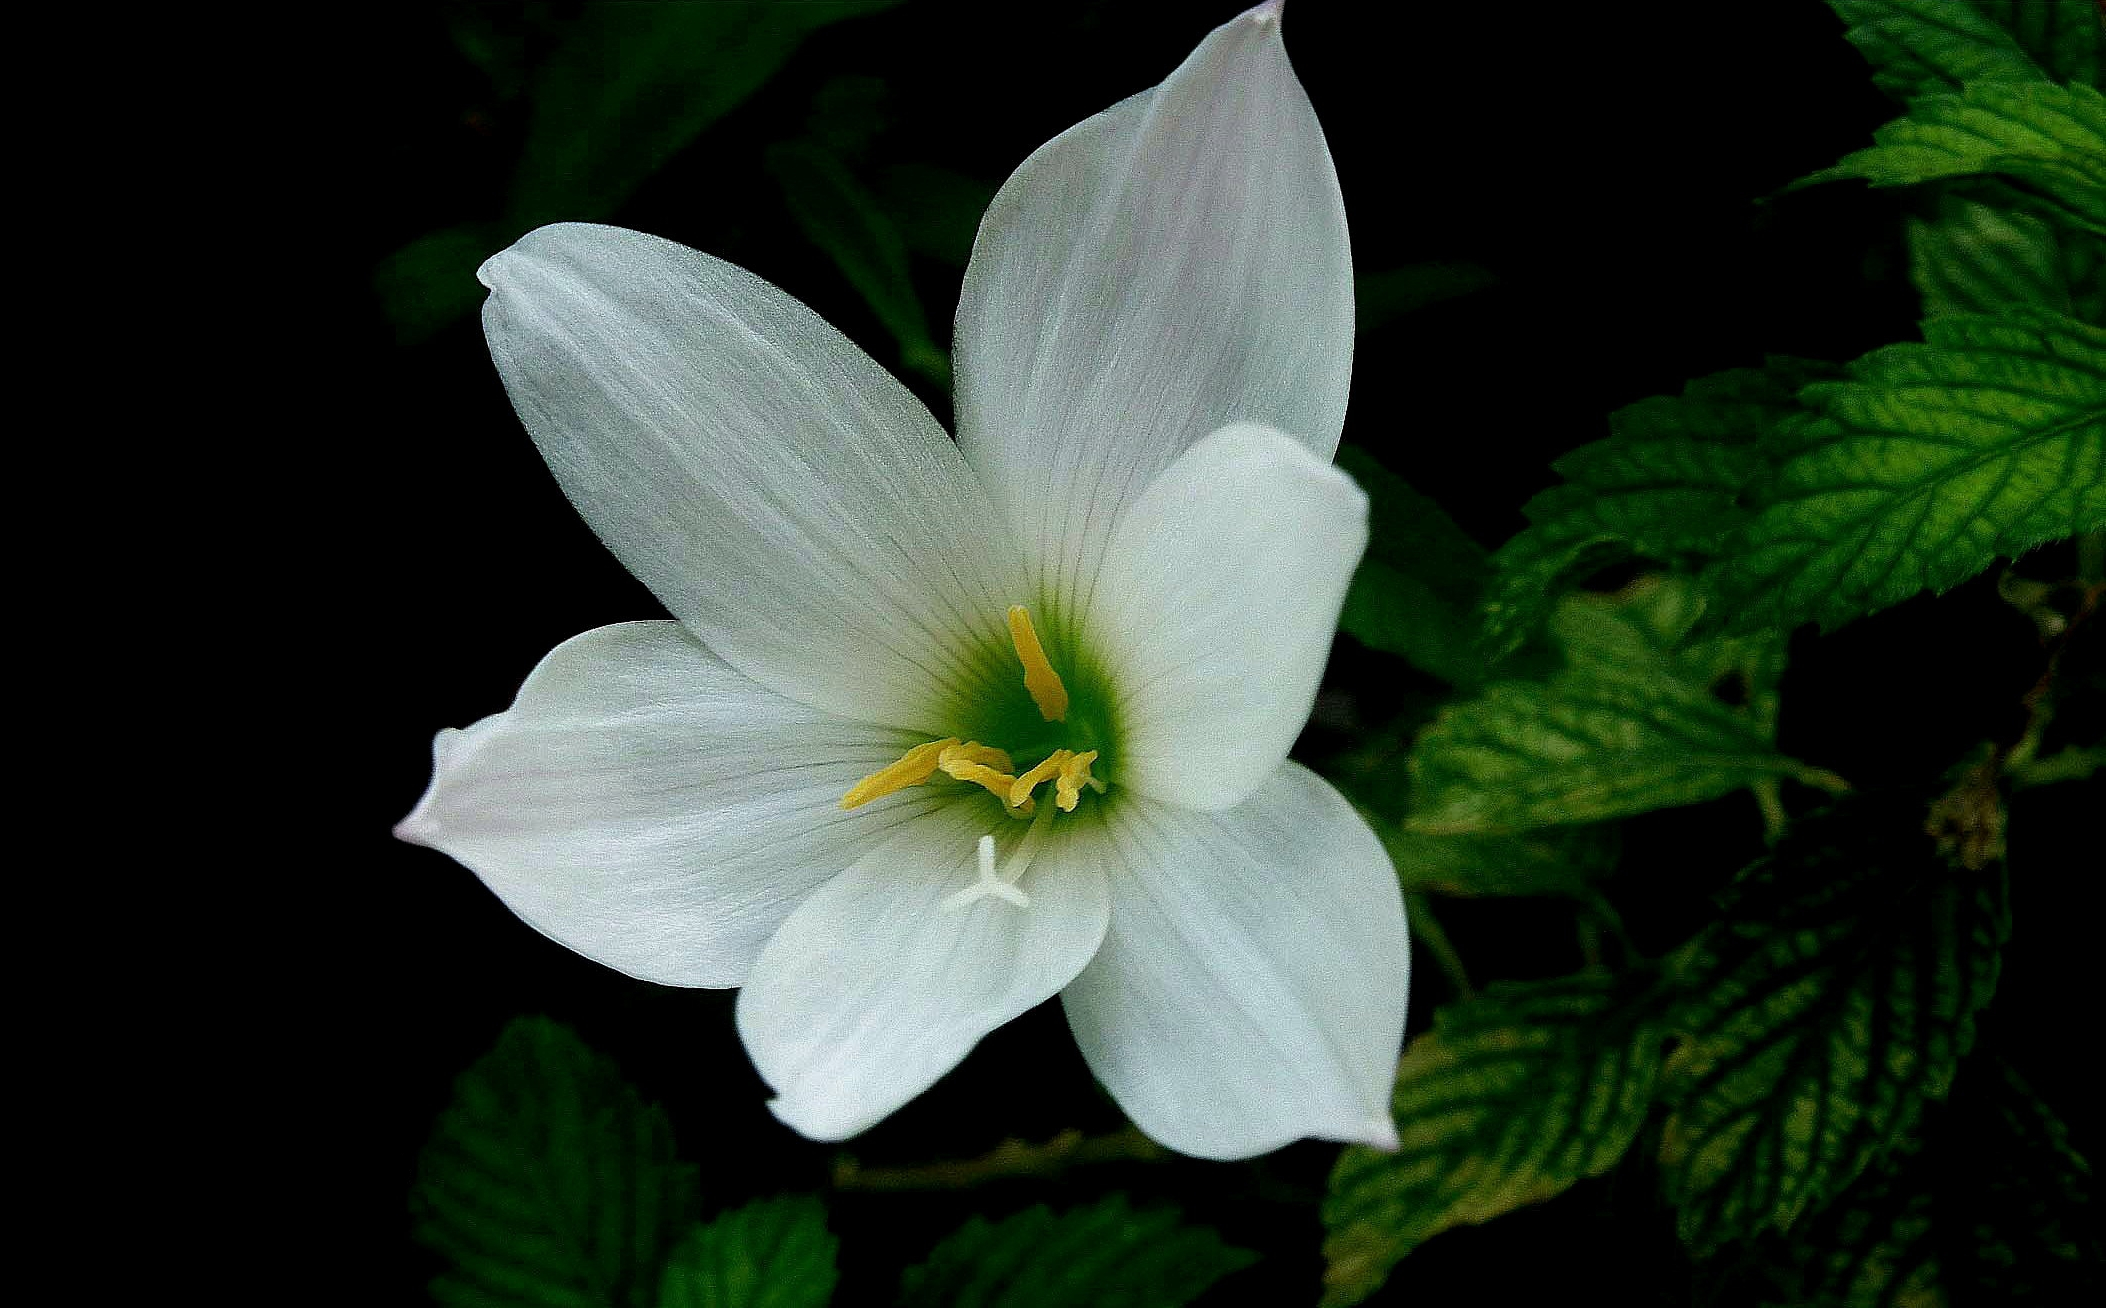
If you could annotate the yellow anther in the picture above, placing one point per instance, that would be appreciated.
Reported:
(1047, 769)
(972, 751)
(1039, 677)
(914, 767)
(965, 762)
(1074, 775)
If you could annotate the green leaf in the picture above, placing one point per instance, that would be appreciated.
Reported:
(1923, 467)
(2051, 138)
(1557, 861)
(1919, 46)
(632, 84)
(2026, 1229)
(839, 216)
(1990, 1207)
(937, 211)
(1416, 591)
(627, 88)
(1977, 258)
(548, 1182)
(1833, 999)
(2062, 36)
(775, 1253)
(1637, 719)
(1382, 297)
(1511, 1098)
(1102, 1255)
(1873, 1247)
(1663, 487)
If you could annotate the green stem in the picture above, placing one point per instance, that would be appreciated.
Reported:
(2072, 764)
(1427, 928)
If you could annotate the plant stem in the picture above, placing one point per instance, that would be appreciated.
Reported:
(1010, 1158)
(1428, 930)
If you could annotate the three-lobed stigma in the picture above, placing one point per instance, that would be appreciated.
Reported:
(987, 766)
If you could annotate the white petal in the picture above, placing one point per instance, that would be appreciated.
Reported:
(873, 988)
(786, 498)
(1251, 989)
(1215, 611)
(652, 808)
(1171, 265)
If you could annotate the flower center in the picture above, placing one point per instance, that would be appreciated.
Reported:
(989, 766)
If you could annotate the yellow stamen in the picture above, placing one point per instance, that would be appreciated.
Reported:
(1047, 769)
(972, 751)
(1039, 677)
(914, 767)
(1074, 775)
(968, 762)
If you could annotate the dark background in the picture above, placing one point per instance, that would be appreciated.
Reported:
(1615, 166)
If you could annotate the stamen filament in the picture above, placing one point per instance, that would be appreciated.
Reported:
(1040, 679)
(1048, 768)
(972, 762)
(914, 767)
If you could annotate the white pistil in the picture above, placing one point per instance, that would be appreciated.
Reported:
(1003, 885)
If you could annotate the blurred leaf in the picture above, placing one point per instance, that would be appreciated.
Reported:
(431, 281)
(1923, 467)
(1557, 861)
(775, 1253)
(1102, 1255)
(936, 210)
(627, 87)
(2050, 137)
(847, 114)
(633, 83)
(1631, 723)
(1511, 1098)
(1662, 487)
(2030, 1234)
(548, 1181)
(1976, 258)
(1416, 590)
(2062, 37)
(1382, 297)
(1833, 999)
(836, 214)
(1919, 46)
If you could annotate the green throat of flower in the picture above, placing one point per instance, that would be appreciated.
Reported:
(1067, 734)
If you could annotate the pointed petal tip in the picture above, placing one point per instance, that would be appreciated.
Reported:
(1269, 12)
(1379, 1132)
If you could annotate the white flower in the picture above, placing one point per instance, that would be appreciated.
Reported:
(803, 785)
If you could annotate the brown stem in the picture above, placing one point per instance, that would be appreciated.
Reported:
(1010, 1158)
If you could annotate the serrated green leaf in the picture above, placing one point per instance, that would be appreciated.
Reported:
(1635, 720)
(838, 215)
(1976, 258)
(2062, 36)
(548, 1182)
(1556, 861)
(1931, 461)
(1102, 1255)
(1511, 1098)
(2027, 1231)
(1380, 298)
(1991, 1207)
(1663, 487)
(1415, 593)
(2052, 138)
(1872, 1248)
(774, 1253)
(1919, 46)
(1833, 999)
